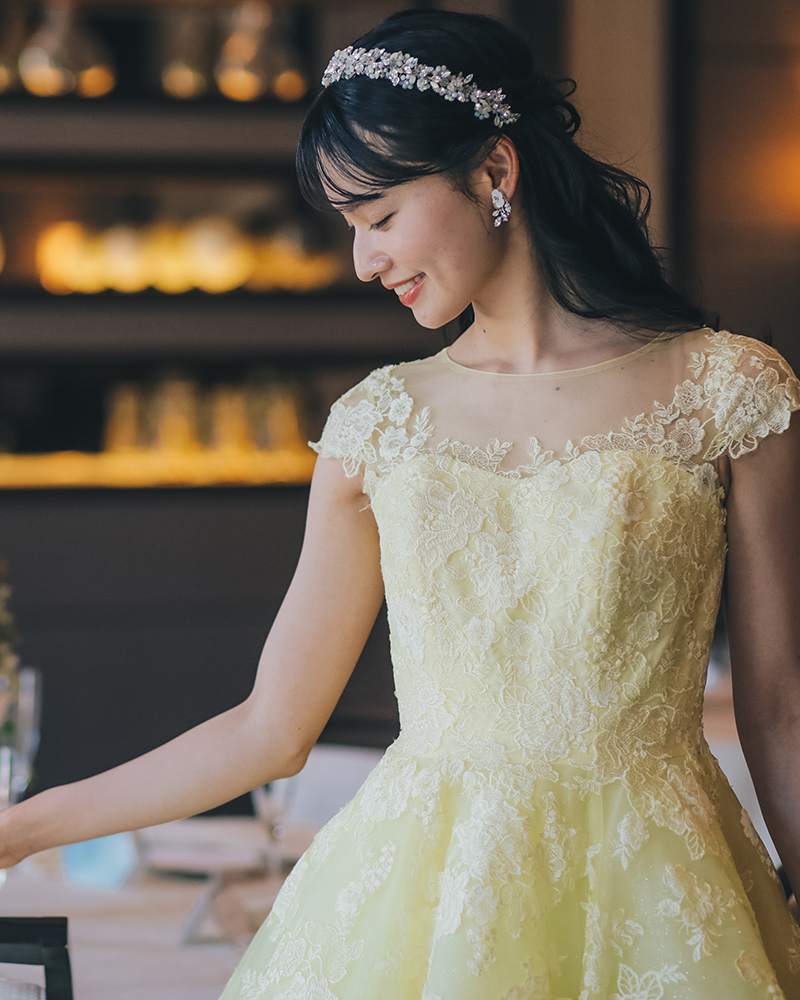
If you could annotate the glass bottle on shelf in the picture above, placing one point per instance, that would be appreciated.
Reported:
(63, 56)
(289, 79)
(124, 420)
(230, 426)
(13, 30)
(186, 58)
(174, 415)
(242, 70)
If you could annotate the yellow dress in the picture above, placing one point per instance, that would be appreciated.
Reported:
(550, 824)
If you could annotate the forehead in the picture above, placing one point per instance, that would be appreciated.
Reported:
(345, 189)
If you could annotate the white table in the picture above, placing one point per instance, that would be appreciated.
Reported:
(125, 944)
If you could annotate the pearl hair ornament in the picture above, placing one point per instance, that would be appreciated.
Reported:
(403, 70)
(502, 207)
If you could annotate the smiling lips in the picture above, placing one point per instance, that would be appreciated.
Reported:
(409, 290)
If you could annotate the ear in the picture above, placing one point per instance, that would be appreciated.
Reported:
(501, 167)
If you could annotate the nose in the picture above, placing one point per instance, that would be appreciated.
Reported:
(369, 261)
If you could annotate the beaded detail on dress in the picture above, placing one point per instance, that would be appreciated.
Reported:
(550, 823)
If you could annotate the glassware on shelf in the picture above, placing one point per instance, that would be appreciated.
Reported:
(242, 70)
(275, 414)
(214, 253)
(124, 258)
(230, 425)
(69, 258)
(166, 257)
(289, 79)
(14, 27)
(174, 415)
(184, 71)
(123, 429)
(63, 56)
(219, 258)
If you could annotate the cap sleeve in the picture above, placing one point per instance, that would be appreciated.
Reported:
(360, 419)
(751, 391)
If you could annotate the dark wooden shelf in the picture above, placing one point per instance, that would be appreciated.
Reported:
(153, 325)
(146, 133)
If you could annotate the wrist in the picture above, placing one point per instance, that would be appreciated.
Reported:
(24, 829)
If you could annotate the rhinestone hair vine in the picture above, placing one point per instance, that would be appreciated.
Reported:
(403, 70)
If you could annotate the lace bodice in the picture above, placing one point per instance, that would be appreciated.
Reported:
(690, 400)
(553, 549)
(550, 823)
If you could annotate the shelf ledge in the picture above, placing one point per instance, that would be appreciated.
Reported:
(137, 469)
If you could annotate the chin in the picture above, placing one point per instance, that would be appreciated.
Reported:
(435, 320)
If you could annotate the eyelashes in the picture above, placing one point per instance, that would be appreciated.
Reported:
(375, 225)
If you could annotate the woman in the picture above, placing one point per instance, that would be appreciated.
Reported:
(546, 505)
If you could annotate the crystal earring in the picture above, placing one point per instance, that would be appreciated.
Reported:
(502, 207)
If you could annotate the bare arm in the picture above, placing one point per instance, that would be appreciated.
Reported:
(764, 625)
(308, 657)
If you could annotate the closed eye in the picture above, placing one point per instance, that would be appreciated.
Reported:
(375, 225)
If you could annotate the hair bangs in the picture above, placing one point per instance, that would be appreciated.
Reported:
(340, 165)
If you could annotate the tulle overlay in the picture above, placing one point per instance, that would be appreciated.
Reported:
(550, 824)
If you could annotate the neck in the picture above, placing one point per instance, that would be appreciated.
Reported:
(520, 328)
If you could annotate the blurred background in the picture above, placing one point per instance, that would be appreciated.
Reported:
(175, 322)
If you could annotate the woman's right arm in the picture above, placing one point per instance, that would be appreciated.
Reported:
(312, 647)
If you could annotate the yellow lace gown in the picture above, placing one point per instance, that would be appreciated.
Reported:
(550, 823)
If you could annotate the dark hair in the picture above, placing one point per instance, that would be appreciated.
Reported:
(587, 219)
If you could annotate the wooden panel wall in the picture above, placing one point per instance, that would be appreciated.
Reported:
(747, 165)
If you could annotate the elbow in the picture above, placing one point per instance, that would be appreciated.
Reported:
(280, 753)
(299, 749)
(294, 765)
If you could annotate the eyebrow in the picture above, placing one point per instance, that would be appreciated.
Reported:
(354, 206)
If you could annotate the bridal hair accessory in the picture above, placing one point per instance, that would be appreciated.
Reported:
(403, 70)
(502, 207)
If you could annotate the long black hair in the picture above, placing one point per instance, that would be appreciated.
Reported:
(587, 219)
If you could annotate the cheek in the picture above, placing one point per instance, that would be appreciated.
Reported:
(458, 237)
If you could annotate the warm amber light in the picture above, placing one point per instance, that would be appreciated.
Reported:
(2, 253)
(181, 81)
(230, 427)
(57, 250)
(96, 81)
(282, 263)
(156, 468)
(125, 261)
(124, 417)
(241, 84)
(166, 257)
(290, 85)
(41, 76)
(218, 257)
(770, 181)
(6, 78)
(211, 254)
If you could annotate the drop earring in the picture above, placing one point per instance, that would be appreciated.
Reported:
(502, 207)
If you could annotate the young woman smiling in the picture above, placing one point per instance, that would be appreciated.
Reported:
(547, 505)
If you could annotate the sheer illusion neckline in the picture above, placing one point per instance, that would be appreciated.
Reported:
(562, 373)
